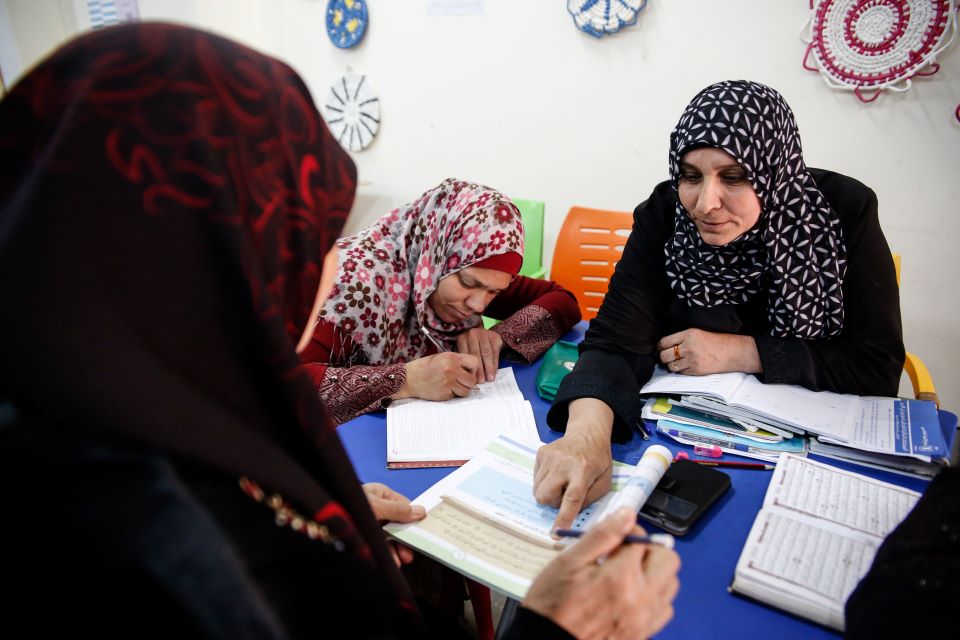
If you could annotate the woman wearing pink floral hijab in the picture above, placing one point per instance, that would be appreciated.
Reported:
(419, 278)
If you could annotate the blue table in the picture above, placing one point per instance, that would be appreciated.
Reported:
(709, 552)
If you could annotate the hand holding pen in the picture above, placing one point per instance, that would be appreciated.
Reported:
(663, 539)
(442, 376)
(601, 587)
(483, 344)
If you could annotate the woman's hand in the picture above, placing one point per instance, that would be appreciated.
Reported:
(486, 346)
(575, 470)
(389, 506)
(702, 352)
(601, 588)
(441, 376)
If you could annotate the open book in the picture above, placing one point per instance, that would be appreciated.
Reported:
(815, 538)
(422, 433)
(483, 521)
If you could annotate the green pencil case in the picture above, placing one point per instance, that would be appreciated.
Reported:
(558, 361)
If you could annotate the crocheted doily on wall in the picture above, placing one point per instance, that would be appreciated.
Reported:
(602, 17)
(347, 22)
(352, 111)
(867, 46)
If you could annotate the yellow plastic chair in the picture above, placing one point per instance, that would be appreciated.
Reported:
(918, 373)
(588, 248)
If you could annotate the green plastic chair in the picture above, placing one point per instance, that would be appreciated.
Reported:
(531, 213)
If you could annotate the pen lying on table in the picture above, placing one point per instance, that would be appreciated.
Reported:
(735, 465)
(685, 437)
(662, 539)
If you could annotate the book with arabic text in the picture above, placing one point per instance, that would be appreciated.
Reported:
(815, 538)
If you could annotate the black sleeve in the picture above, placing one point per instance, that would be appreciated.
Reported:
(867, 357)
(913, 587)
(527, 624)
(618, 352)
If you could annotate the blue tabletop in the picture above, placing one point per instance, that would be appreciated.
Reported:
(709, 552)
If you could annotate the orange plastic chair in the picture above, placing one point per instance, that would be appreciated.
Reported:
(918, 373)
(588, 248)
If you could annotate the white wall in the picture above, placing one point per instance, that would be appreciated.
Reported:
(521, 100)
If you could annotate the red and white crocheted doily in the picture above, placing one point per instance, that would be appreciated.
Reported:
(870, 45)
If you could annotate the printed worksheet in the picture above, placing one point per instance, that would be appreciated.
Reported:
(483, 521)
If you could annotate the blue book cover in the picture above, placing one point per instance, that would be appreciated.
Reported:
(918, 430)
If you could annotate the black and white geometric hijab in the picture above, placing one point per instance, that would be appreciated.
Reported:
(796, 245)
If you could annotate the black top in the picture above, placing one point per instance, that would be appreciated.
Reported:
(124, 541)
(619, 351)
(913, 586)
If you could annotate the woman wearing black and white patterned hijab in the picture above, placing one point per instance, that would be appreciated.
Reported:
(796, 244)
(745, 260)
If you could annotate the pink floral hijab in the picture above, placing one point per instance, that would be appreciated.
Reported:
(387, 271)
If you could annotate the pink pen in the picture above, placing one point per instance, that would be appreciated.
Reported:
(707, 450)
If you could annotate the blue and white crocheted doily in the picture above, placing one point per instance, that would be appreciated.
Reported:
(346, 22)
(601, 17)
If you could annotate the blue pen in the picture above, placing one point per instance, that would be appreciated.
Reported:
(662, 539)
(642, 428)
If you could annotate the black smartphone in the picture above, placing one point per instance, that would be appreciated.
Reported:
(684, 494)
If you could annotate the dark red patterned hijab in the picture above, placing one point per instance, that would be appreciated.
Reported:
(166, 200)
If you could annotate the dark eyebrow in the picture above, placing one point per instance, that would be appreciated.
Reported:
(684, 166)
(476, 282)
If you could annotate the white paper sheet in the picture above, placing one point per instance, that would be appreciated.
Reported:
(422, 430)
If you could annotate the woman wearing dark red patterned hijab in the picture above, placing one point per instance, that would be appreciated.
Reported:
(166, 201)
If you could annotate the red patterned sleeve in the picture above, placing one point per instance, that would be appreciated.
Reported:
(347, 391)
(527, 334)
(353, 391)
(535, 314)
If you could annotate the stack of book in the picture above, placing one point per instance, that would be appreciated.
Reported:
(677, 419)
(743, 416)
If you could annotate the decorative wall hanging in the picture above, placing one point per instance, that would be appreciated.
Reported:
(870, 45)
(104, 13)
(346, 22)
(600, 17)
(352, 111)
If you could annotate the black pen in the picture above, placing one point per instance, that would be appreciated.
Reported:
(662, 539)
